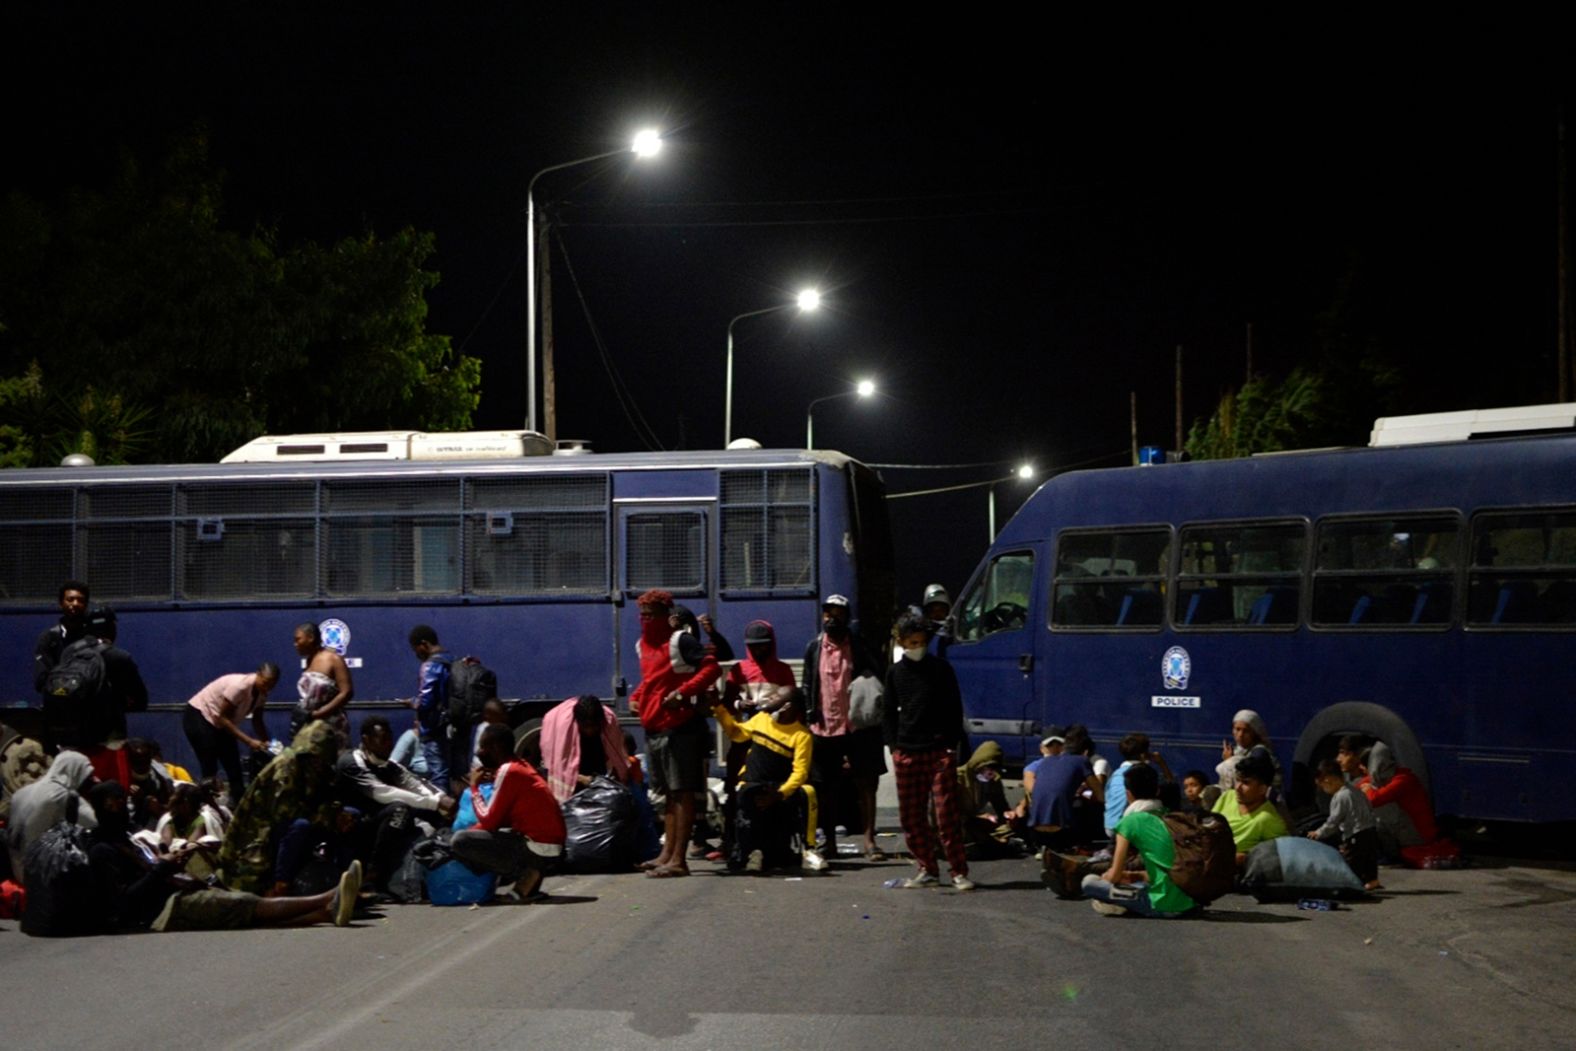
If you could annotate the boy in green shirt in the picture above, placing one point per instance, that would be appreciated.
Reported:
(1246, 808)
(1144, 831)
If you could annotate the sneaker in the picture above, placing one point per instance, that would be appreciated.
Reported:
(756, 862)
(962, 883)
(1105, 908)
(344, 903)
(1060, 873)
(813, 862)
(922, 879)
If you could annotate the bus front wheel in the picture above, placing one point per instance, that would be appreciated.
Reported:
(528, 741)
(1372, 721)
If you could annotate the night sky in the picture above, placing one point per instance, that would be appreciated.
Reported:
(1014, 221)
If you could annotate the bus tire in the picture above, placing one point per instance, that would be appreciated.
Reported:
(1355, 717)
(528, 741)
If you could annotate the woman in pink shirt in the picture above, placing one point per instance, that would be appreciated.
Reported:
(213, 716)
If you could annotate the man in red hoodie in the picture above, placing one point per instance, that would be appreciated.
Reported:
(520, 833)
(671, 709)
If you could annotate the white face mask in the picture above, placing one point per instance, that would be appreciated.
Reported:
(913, 653)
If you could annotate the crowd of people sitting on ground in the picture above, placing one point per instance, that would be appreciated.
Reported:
(107, 835)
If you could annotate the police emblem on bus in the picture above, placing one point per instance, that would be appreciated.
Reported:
(1175, 667)
(336, 635)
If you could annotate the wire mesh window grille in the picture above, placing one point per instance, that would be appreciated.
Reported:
(768, 530)
(35, 543)
(537, 536)
(34, 561)
(124, 561)
(665, 550)
(537, 554)
(391, 556)
(248, 559)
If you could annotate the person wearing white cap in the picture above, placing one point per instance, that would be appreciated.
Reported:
(834, 659)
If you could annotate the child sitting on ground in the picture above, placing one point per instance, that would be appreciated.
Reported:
(1351, 824)
(1193, 784)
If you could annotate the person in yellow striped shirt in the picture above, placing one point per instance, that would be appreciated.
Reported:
(774, 782)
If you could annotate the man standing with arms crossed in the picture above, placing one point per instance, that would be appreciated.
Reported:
(674, 718)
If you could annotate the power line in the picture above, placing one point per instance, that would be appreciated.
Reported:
(854, 221)
(626, 400)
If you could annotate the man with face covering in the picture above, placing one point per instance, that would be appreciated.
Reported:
(668, 702)
(775, 769)
(847, 760)
(296, 787)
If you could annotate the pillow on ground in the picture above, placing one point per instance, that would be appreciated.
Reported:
(1296, 867)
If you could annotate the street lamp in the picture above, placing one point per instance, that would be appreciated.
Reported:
(864, 389)
(807, 301)
(1024, 473)
(645, 144)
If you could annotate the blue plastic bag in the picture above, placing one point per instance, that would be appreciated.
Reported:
(454, 882)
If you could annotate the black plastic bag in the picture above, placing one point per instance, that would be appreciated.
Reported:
(600, 822)
(62, 897)
(433, 852)
(408, 881)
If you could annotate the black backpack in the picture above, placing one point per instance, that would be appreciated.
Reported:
(62, 897)
(76, 682)
(471, 685)
(1206, 855)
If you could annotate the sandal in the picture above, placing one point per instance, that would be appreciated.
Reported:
(647, 866)
(876, 854)
(667, 872)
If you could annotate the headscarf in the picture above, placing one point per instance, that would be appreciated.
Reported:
(1251, 717)
(40, 806)
(560, 743)
(1381, 764)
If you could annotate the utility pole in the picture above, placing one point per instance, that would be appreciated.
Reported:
(1132, 422)
(1567, 352)
(1178, 445)
(549, 384)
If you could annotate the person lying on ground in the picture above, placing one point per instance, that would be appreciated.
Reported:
(1247, 809)
(1141, 829)
(520, 832)
(1350, 826)
(140, 891)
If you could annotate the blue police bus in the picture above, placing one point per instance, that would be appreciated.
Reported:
(522, 557)
(1421, 591)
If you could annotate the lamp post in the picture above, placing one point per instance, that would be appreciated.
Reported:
(647, 143)
(1024, 473)
(864, 389)
(806, 301)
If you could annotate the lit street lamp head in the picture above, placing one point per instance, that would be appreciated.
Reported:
(1026, 472)
(809, 299)
(866, 388)
(648, 143)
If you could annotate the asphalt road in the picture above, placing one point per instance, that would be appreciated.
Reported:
(1469, 958)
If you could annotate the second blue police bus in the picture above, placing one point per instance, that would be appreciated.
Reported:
(1420, 594)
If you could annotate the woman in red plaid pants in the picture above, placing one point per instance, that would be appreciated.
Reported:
(924, 722)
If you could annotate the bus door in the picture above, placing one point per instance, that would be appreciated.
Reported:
(993, 652)
(660, 545)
